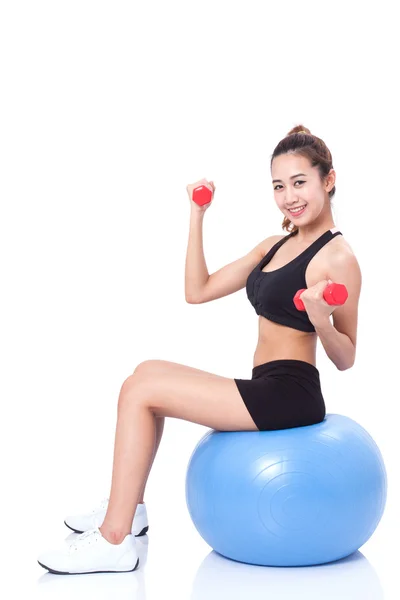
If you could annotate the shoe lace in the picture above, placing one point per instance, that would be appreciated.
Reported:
(84, 539)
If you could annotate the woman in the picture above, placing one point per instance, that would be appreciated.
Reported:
(284, 390)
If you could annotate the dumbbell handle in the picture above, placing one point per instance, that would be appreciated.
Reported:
(334, 294)
(201, 195)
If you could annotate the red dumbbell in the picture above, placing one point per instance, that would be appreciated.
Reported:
(202, 195)
(334, 294)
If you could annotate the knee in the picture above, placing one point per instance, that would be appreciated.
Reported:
(137, 387)
(131, 392)
(149, 371)
(147, 368)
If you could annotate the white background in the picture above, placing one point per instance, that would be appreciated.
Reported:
(108, 110)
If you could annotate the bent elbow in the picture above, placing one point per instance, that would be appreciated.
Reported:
(345, 367)
(192, 300)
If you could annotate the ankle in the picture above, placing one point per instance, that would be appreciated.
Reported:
(114, 536)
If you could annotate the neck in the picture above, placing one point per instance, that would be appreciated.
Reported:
(310, 232)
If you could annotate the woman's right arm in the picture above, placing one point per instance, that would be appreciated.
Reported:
(201, 287)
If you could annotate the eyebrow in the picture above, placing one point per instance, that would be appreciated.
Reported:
(292, 177)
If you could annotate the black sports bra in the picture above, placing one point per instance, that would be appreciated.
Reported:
(272, 293)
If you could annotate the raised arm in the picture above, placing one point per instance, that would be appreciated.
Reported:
(201, 287)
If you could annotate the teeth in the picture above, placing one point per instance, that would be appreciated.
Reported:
(296, 209)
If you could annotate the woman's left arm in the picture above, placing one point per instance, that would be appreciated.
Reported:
(340, 338)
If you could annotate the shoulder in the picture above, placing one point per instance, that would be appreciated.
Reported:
(342, 264)
(340, 254)
(269, 242)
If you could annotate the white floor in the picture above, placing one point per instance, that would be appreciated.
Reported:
(179, 565)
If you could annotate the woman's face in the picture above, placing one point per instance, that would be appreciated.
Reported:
(295, 184)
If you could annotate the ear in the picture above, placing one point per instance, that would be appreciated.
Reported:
(330, 180)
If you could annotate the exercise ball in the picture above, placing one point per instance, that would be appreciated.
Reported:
(289, 497)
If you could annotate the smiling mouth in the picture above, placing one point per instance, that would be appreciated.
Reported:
(297, 210)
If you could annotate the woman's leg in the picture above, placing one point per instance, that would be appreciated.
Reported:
(160, 421)
(134, 449)
(158, 389)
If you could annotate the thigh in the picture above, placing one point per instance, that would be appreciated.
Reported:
(174, 390)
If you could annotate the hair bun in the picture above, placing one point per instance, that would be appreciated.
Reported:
(300, 129)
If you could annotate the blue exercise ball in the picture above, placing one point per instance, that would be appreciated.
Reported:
(289, 497)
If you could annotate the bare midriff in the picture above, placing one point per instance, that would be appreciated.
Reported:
(277, 342)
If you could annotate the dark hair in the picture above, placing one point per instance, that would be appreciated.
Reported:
(301, 141)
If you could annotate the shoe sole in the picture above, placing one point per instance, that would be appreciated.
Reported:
(143, 532)
(87, 572)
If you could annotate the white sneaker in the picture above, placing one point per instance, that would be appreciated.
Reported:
(90, 552)
(95, 518)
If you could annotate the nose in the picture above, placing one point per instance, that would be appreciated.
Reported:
(291, 197)
(292, 201)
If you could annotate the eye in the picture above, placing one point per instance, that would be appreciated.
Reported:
(297, 181)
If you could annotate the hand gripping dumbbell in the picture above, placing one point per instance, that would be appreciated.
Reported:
(334, 294)
(202, 195)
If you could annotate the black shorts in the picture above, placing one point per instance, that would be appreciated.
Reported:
(282, 394)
